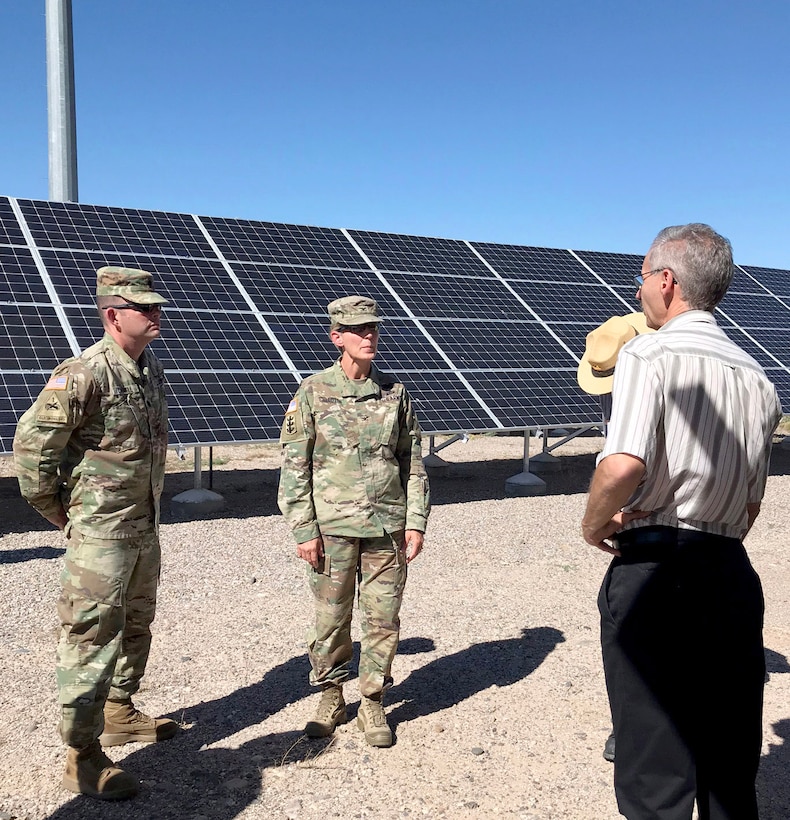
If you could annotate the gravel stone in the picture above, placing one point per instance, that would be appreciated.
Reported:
(499, 652)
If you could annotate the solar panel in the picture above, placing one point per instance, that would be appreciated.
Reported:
(419, 254)
(485, 336)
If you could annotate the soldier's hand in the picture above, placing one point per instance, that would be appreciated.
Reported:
(311, 551)
(412, 544)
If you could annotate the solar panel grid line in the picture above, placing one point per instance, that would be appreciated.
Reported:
(45, 277)
(522, 301)
(417, 322)
(746, 272)
(628, 306)
(246, 296)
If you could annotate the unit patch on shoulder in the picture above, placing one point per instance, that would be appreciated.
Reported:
(53, 407)
(293, 426)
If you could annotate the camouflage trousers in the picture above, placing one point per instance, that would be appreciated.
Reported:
(379, 565)
(106, 606)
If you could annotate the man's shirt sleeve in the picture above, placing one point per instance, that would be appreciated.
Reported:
(637, 410)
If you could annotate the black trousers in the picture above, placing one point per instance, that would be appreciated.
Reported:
(681, 634)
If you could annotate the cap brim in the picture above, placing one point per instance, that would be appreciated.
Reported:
(149, 298)
(363, 319)
(590, 382)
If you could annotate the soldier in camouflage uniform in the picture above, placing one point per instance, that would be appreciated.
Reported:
(354, 491)
(90, 457)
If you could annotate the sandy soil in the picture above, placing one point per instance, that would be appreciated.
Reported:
(499, 705)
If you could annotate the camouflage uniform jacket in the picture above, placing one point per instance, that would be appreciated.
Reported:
(352, 458)
(95, 441)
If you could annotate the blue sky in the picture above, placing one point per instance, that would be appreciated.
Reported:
(587, 124)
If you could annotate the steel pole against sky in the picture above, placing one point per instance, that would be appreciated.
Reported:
(60, 102)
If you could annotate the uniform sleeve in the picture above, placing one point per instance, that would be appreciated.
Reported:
(413, 476)
(637, 410)
(44, 431)
(295, 493)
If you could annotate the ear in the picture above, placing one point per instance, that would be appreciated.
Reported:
(336, 338)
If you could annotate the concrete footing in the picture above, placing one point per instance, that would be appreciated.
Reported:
(196, 503)
(525, 484)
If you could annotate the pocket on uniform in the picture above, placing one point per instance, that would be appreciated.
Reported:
(90, 604)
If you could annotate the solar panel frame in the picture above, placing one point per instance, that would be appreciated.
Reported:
(485, 336)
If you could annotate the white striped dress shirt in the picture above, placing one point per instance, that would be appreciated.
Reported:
(700, 413)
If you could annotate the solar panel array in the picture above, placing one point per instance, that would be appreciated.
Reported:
(485, 336)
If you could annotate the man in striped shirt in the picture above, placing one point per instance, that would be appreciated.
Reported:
(677, 487)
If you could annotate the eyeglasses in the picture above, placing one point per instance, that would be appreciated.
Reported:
(360, 330)
(134, 306)
(639, 279)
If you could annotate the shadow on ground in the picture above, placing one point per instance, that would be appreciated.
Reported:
(184, 777)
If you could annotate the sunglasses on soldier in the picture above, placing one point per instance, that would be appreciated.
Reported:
(134, 306)
(361, 330)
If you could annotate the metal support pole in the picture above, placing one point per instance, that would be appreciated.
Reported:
(198, 468)
(60, 102)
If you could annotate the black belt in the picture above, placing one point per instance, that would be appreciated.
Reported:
(657, 542)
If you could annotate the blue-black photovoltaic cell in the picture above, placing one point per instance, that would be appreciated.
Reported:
(419, 254)
(776, 341)
(10, 232)
(536, 399)
(113, 230)
(227, 408)
(743, 282)
(457, 297)
(248, 241)
(230, 381)
(191, 341)
(542, 264)
(616, 269)
(216, 341)
(745, 340)
(781, 379)
(443, 403)
(17, 392)
(185, 283)
(306, 341)
(31, 338)
(574, 335)
(20, 280)
(560, 302)
(504, 345)
(776, 281)
(749, 311)
(308, 291)
(403, 345)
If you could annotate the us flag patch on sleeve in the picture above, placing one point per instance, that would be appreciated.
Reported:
(57, 383)
(292, 406)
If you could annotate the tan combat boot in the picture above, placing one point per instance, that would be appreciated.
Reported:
(90, 772)
(331, 712)
(373, 722)
(125, 724)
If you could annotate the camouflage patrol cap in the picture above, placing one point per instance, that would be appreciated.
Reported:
(128, 283)
(353, 310)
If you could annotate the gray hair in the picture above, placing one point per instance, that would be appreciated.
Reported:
(701, 260)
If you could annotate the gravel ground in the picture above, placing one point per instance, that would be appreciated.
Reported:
(499, 705)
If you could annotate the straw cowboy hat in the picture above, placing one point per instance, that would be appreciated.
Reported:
(596, 369)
